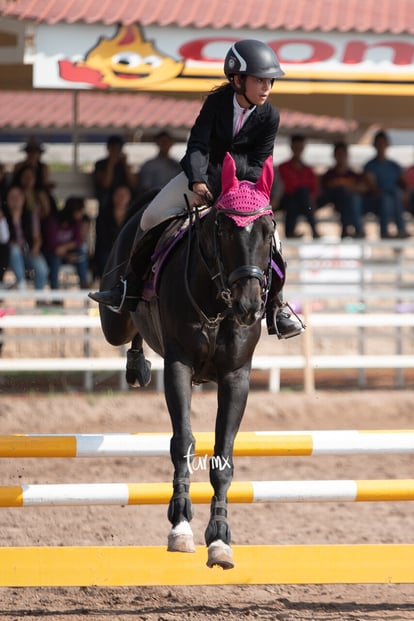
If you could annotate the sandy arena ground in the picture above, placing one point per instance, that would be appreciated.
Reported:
(251, 524)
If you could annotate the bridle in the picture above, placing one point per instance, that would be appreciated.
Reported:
(244, 271)
(218, 276)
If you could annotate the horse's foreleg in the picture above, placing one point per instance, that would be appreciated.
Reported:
(177, 380)
(232, 397)
(138, 369)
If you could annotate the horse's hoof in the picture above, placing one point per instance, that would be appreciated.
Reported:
(138, 369)
(180, 538)
(220, 553)
(131, 379)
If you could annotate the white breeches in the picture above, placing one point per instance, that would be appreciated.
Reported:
(168, 202)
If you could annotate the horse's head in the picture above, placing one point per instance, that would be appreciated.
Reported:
(245, 228)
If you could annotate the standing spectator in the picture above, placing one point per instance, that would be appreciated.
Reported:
(4, 255)
(63, 241)
(157, 172)
(4, 183)
(300, 189)
(108, 225)
(36, 200)
(34, 150)
(25, 240)
(343, 187)
(277, 189)
(112, 171)
(409, 176)
(387, 185)
(4, 245)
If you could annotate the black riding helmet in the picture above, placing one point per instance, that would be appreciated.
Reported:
(252, 57)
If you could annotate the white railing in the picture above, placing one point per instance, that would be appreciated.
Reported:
(307, 360)
(374, 279)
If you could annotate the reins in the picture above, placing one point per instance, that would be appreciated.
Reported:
(211, 322)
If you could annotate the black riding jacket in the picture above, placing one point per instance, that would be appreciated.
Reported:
(212, 136)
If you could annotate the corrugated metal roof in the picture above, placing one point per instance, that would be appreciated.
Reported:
(391, 16)
(44, 110)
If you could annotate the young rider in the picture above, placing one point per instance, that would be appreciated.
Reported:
(236, 118)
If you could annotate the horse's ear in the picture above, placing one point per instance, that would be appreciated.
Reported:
(265, 181)
(229, 180)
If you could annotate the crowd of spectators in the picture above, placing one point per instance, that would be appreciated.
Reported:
(38, 236)
(382, 188)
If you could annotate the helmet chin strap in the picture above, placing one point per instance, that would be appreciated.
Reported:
(242, 91)
(251, 104)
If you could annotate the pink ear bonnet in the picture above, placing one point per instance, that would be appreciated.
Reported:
(245, 196)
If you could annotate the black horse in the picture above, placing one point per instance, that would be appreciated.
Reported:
(205, 321)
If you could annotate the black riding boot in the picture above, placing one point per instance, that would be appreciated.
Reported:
(124, 296)
(279, 319)
(126, 293)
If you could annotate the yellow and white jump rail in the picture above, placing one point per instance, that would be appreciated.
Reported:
(67, 494)
(255, 443)
(111, 566)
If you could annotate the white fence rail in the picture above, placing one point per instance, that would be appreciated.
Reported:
(307, 361)
(361, 289)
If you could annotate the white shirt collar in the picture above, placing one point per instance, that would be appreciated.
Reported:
(238, 111)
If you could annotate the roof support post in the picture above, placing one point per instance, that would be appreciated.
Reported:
(75, 132)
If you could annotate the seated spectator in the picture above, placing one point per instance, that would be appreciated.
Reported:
(156, 172)
(387, 185)
(343, 187)
(36, 200)
(108, 225)
(25, 240)
(300, 190)
(112, 171)
(64, 243)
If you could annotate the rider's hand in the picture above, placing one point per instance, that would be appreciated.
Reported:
(201, 195)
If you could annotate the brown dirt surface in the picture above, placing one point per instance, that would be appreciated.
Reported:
(308, 523)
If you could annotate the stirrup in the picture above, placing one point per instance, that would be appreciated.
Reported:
(118, 309)
(121, 287)
(295, 331)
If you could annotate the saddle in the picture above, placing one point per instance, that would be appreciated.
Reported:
(171, 233)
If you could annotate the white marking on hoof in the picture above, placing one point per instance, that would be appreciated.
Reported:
(220, 553)
(180, 538)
